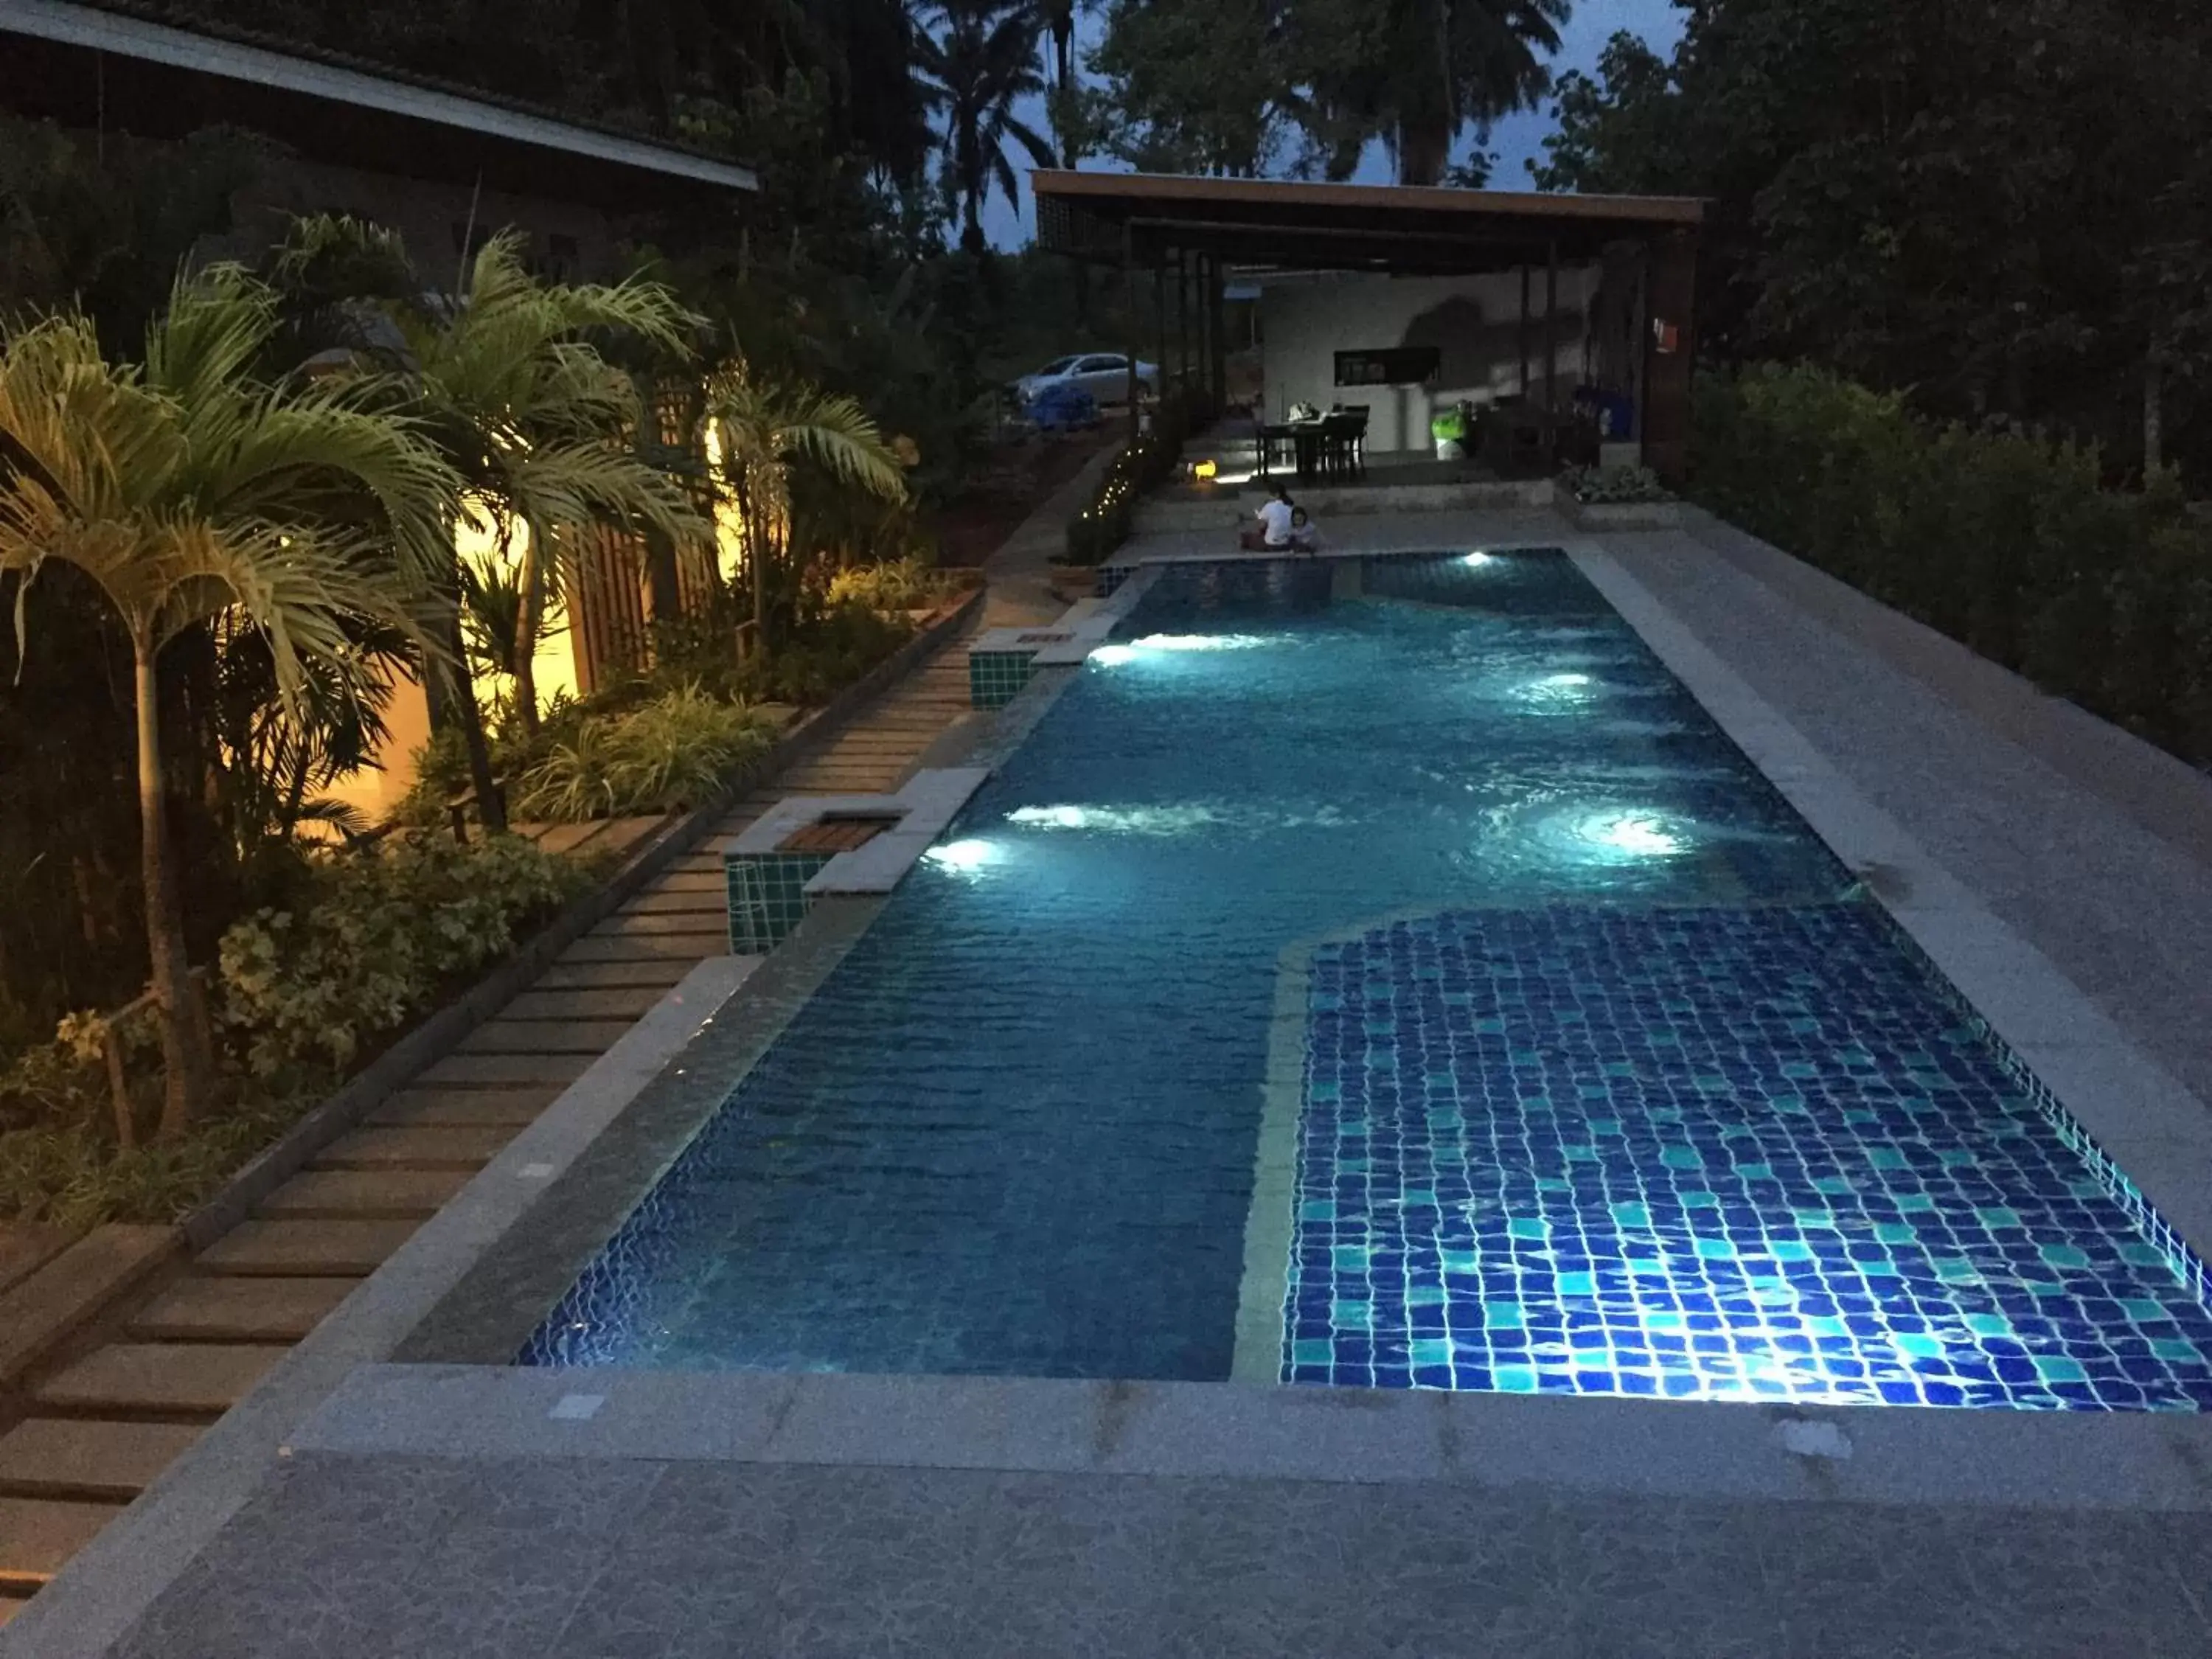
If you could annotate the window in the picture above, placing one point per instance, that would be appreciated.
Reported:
(1103, 365)
(1058, 365)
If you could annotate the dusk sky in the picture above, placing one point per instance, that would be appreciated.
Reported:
(1516, 141)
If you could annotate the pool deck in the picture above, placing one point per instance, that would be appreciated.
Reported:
(2058, 869)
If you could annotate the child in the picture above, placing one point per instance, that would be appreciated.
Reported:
(1305, 535)
(1272, 532)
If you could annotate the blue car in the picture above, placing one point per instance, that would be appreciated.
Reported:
(1063, 408)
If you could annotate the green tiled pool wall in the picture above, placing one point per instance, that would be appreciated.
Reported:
(996, 679)
(768, 898)
(1110, 578)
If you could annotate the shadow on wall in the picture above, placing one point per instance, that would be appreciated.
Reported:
(1481, 358)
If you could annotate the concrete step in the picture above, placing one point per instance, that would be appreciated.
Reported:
(73, 1288)
(196, 1308)
(365, 1194)
(504, 1071)
(626, 925)
(708, 899)
(305, 1250)
(38, 1535)
(426, 1108)
(24, 1249)
(628, 1004)
(662, 972)
(11, 1606)
(160, 1377)
(712, 881)
(447, 1146)
(87, 1458)
(689, 949)
(508, 1036)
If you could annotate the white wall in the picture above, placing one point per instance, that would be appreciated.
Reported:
(1305, 322)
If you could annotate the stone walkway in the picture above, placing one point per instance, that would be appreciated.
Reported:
(103, 1422)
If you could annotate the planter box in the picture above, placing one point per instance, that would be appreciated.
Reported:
(1073, 582)
(1623, 515)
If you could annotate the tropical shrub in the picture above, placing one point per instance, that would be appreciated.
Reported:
(907, 583)
(1144, 463)
(673, 751)
(1611, 486)
(827, 652)
(2004, 539)
(370, 941)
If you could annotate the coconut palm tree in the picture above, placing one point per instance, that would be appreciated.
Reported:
(540, 426)
(979, 63)
(1417, 72)
(187, 489)
(758, 431)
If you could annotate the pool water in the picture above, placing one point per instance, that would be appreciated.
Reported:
(1599, 1074)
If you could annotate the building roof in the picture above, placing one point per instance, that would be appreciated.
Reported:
(82, 64)
(1262, 224)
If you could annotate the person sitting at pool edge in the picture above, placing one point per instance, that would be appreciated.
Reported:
(1305, 534)
(1272, 532)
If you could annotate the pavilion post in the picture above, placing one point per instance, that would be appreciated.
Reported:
(1524, 333)
(1129, 332)
(1217, 337)
(1552, 328)
(1183, 320)
(1160, 321)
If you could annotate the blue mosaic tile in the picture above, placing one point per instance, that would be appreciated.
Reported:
(1706, 1153)
(996, 679)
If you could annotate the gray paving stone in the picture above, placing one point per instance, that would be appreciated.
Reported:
(73, 1288)
(627, 1004)
(306, 1248)
(504, 1071)
(25, 1247)
(511, 1035)
(238, 1309)
(38, 1535)
(364, 1193)
(428, 1107)
(160, 1377)
(443, 1146)
(87, 1457)
(660, 972)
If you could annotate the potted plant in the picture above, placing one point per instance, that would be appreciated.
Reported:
(1448, 428)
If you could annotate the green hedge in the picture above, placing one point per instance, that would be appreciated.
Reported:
(2005, 541)
(1144, 463)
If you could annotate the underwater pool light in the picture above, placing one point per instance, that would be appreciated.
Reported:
(962, 855)
(1112, 656)
(1053, 817)
(1475, 559)
(1639, 835)
(1202, 641)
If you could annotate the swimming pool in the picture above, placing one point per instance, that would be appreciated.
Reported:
(1387, 974)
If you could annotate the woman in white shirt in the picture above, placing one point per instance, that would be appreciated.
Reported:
(1274, 531)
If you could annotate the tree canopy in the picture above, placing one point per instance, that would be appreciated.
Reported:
(1999, 205)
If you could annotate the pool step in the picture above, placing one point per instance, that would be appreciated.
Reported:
(81, 1458)
(177, 1378)
(684, 948)
(232, 1309)
(306, 1249)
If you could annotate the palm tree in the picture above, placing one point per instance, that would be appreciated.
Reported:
(541, 429)
(1416, 72)
(981, 63)
(1056, 18)
(758, 430)
(187, 490)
